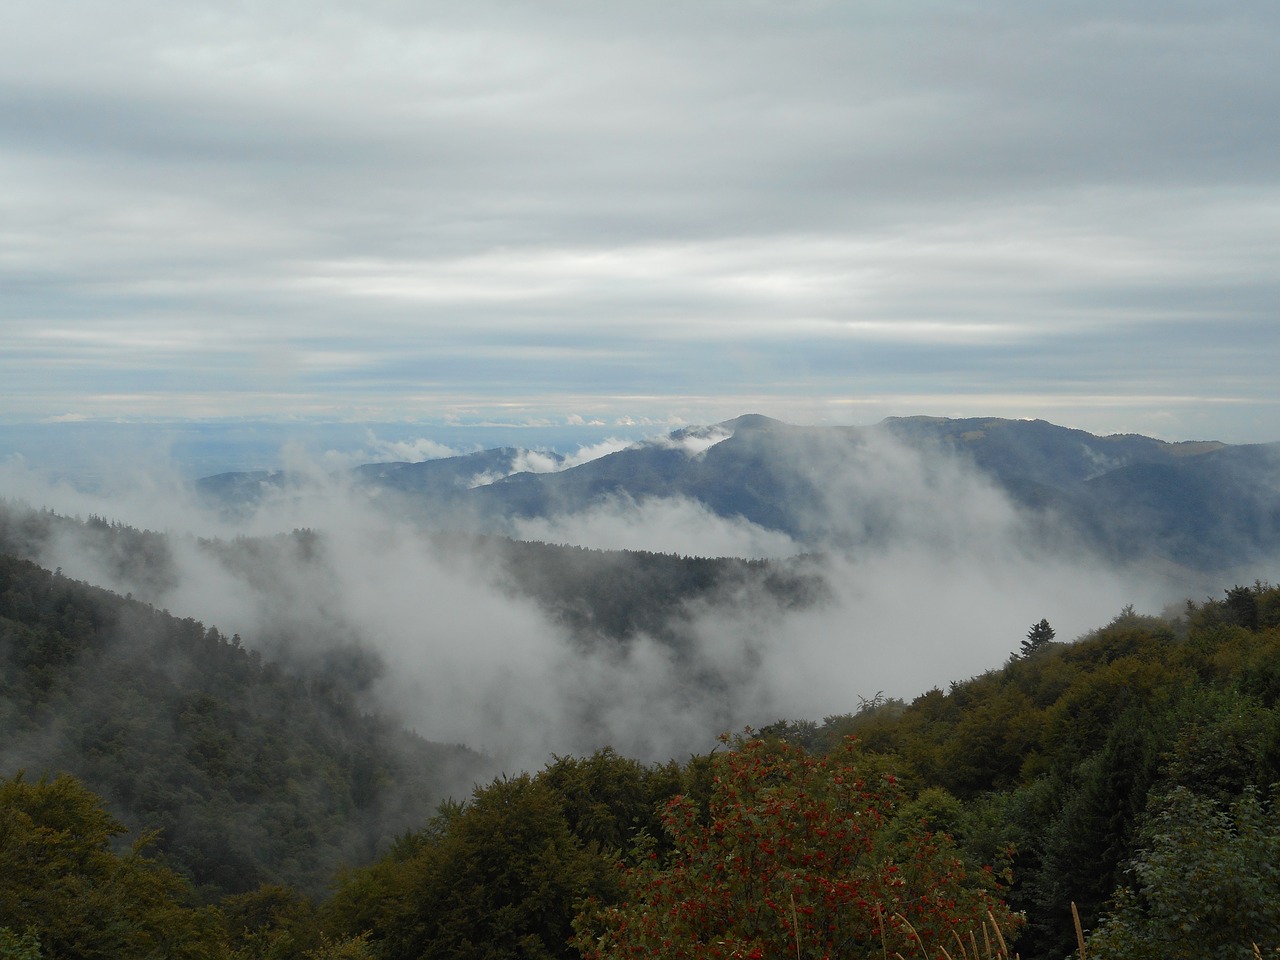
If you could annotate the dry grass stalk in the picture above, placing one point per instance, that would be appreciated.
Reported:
(1004, 947)
(1075, 915)
(914, 934)
(1002, 953)
(795, 925)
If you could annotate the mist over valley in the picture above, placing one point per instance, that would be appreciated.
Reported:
(647, 595)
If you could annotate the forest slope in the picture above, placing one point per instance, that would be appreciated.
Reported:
(1132, 772)
(251, 774)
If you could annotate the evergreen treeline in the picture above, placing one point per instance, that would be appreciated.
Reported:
(618, 594)
(610, 595)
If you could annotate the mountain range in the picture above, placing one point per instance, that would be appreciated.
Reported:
(1203, 505)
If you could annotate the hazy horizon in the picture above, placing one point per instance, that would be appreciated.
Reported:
(81, 450)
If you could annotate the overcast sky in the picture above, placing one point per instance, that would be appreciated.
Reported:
(826, 212)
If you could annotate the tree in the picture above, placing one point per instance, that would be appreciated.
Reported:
(274, 922)
(1241, 606)
(1037, 637)
(1076, 853)
(497, 878)
(1206, 884)
(61, 883)
(607, 798)
(793, 855)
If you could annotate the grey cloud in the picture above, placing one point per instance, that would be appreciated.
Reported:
(574, 202)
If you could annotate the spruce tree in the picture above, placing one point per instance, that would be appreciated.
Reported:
(1037, 637)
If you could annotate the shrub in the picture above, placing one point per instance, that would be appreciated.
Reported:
(794, 855)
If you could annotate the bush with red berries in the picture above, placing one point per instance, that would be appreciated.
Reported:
(791, 857)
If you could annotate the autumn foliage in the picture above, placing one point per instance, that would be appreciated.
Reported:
(792, 856)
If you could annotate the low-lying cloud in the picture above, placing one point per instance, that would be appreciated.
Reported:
(411, 451)
(694, 441)
(932, 575)
(660, 525)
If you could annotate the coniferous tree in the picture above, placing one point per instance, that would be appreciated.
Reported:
(1037, 637)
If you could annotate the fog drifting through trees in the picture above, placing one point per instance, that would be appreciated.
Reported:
(946, 593)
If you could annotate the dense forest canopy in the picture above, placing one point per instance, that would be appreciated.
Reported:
(249, 773)
(1131, 772)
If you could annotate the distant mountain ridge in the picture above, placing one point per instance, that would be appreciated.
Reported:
(1042, 451)
(1206, 505)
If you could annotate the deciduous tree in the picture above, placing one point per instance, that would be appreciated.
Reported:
(61, 882)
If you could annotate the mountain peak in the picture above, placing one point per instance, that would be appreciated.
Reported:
(751, 421)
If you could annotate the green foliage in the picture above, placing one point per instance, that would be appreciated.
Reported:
(796, 854)
(343, 948)
(61, 882)
(877, 724)
(933, 810)
(1074, 851)
(1080, 722)
(608, 800)
(1227, 742)
(1255, 607)
(1241, 607)
(990, 741)
(498, 878)
(273, 922)
(1039, 635)
(1057, 754)
(1206, 884)
(15, 947)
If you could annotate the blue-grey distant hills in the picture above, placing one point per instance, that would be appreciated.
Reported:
(1201, 504)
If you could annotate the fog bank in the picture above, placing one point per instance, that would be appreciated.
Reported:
(932, 576)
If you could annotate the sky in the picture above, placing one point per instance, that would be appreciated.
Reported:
(642, 212)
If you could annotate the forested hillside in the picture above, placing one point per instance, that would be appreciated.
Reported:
(594, 594)
(621, 593)
(248, 773)
(1132, 772)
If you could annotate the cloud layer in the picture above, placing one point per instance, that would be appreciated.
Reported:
(813, 210)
